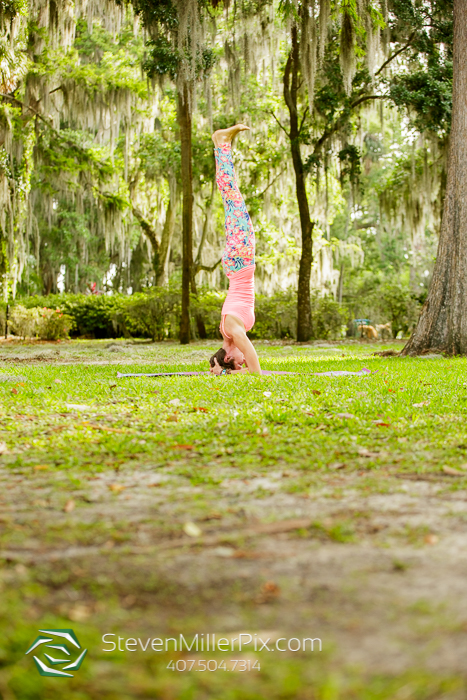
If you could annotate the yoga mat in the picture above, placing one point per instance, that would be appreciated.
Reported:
(337, 373)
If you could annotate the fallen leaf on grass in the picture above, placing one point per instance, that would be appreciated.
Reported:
(200, 409)
(316, 392)
(269, 591)
(79, 613)
(249, 554)
(346, 416)
(225, 552)
(58, 381)
(175, 402)
(69, 506)
(213, 516)
(192, 530)
(421, 404)
(182, 447)
(96, 426)
(117, 488)
(363, 452)
(337, 465)
(112, 386)
(431, 539)
(14, 390)
(381, 424)
(452, 472)
(41, 467)
(173, 418)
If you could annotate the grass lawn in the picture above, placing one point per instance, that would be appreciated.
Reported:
(294, 506)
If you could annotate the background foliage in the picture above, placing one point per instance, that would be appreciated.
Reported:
(90, 152)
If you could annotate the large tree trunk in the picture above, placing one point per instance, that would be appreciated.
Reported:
(442, 326)
(200, 325)
(151, 235)
(162, 276)
(184, 122)
(304, 326)
(161, 251)
(207, 218)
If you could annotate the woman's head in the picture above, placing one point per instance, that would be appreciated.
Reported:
(231, 359)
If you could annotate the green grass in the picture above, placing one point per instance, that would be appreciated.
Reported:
(238, 425)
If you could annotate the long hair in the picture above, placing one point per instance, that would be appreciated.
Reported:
(220, 357)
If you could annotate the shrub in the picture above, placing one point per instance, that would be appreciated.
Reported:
(276, 316)
(327, 317)
(154, 314)
(46, 324)
(23, 321)
(401, 306)
(52, 324)
(2, 318)
(93, 315)
(208, 305)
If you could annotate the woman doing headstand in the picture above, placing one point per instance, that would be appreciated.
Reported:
(238, 261)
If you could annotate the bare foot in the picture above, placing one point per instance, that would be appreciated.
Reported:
(222, 136)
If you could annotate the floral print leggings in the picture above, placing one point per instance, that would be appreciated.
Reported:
(239, 234)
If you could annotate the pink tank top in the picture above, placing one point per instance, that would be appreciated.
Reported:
(240, 301)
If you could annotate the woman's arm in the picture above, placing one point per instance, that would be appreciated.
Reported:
(236, 330)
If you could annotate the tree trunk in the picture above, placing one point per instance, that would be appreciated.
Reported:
(442, 326)
(162, 275)
(200, 325)
(304, 326)
(184, 122)
(207, 218)
(341, 283)
(151, 234)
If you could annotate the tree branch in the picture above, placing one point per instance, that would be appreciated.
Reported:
(281, 126)
(147, 228)
(287, 94)
(396, 53)
(365, 98)
(207, 268)
(303, 120)
(261, 194)
(332, 130)
(60, 136)
(34, 111)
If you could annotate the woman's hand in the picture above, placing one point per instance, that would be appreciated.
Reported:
(217, 369)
